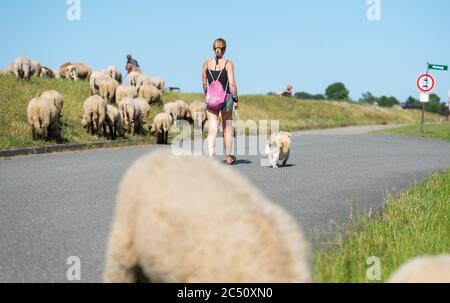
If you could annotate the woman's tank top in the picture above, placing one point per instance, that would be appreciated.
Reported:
(223, 77)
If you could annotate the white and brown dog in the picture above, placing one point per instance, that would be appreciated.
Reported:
(278, 147)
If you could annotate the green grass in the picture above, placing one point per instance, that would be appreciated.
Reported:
(416, 223)
(292, 113)
(439, 131)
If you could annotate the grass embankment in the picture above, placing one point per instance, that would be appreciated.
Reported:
(292, 113)
(438, 131)
(416, 223)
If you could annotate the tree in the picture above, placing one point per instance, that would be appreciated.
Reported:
(412, 103)
(368, 98)
(434, 104)
(337, 91)
(388, 101)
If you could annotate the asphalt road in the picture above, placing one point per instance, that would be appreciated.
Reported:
(56, 206)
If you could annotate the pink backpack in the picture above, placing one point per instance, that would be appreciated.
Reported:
(216, 96)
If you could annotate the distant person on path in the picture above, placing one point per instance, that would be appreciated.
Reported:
(220, 69)
(132, 64)
(287, 92)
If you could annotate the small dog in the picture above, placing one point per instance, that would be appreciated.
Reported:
(278, 147)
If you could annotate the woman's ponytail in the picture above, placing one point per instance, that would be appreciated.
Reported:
(219, 46)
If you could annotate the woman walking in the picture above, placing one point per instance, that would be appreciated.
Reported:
(221, 70)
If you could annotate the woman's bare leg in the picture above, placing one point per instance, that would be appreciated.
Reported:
(213, 126)
(227, 124)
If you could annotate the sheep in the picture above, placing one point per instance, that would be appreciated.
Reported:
(64, 70)
(171, 109)
(151, 94)
(225, 232)
(144, 107)
(56, 99)
(134, 77)
(36, 68)
(42, 117)
(106, 88)
(95, 75)
(143, 80)
(23, 68)
(95, 115)
(79, 71)
(116, 120)
(424, 270)
(161, 127)
(131, 115)
(158, 82)
(125, 91)
(183, 110)
(197, 113)
(114, 72)
(10, 69)
(46, 73)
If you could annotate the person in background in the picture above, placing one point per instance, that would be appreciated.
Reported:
(132, 65)
(287, 92)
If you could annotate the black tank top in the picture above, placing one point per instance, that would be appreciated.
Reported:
(223, 77)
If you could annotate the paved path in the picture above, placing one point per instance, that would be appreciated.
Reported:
(57, 206)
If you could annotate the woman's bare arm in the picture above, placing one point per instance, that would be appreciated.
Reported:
(205, 78)
(231, 79)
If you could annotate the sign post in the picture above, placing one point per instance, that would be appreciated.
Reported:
(424, 85)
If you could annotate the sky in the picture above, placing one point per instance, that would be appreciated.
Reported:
(309, 44)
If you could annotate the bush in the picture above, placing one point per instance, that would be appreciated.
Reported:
(337, 91)
(388, 101)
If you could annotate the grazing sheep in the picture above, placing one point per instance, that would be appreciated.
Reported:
(144, 107)
(47, 73)
(56, 99)
(161, 127)
(197, 113)
(64, 70)
(183, 110)
(106, 88)
(125, 91)
(94, 76)
(23, 68)
(78, 71)
(151, 94)
(424, 270)
(42, 117)
(10, 69)
(36, 67)
(114, 72)
(95, 115)
(158, 82)
(224, 232)
(134, 77)
(143, 80)
(131, 115)
(171, 109)
(116, 120)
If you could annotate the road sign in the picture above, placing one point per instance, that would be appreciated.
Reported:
(424, 98)
(425, 83)
(438, 67)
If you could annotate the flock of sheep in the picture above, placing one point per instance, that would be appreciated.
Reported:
(114, 107)
(221, 229)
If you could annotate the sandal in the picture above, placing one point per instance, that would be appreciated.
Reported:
(233, 160)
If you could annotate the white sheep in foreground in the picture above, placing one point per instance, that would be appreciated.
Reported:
(144, 108)
(95, 116)
(161, 127)
(114, 73)
(226, 231)
(183, 110)
(106, 88)
(197, 112)
(23, 68)
(151, 94)
(131, 115)
(424, 270)
(171, 109)
(125, 91)
(116, 120)
(158, 82)
(56, 99)
(42, 117)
